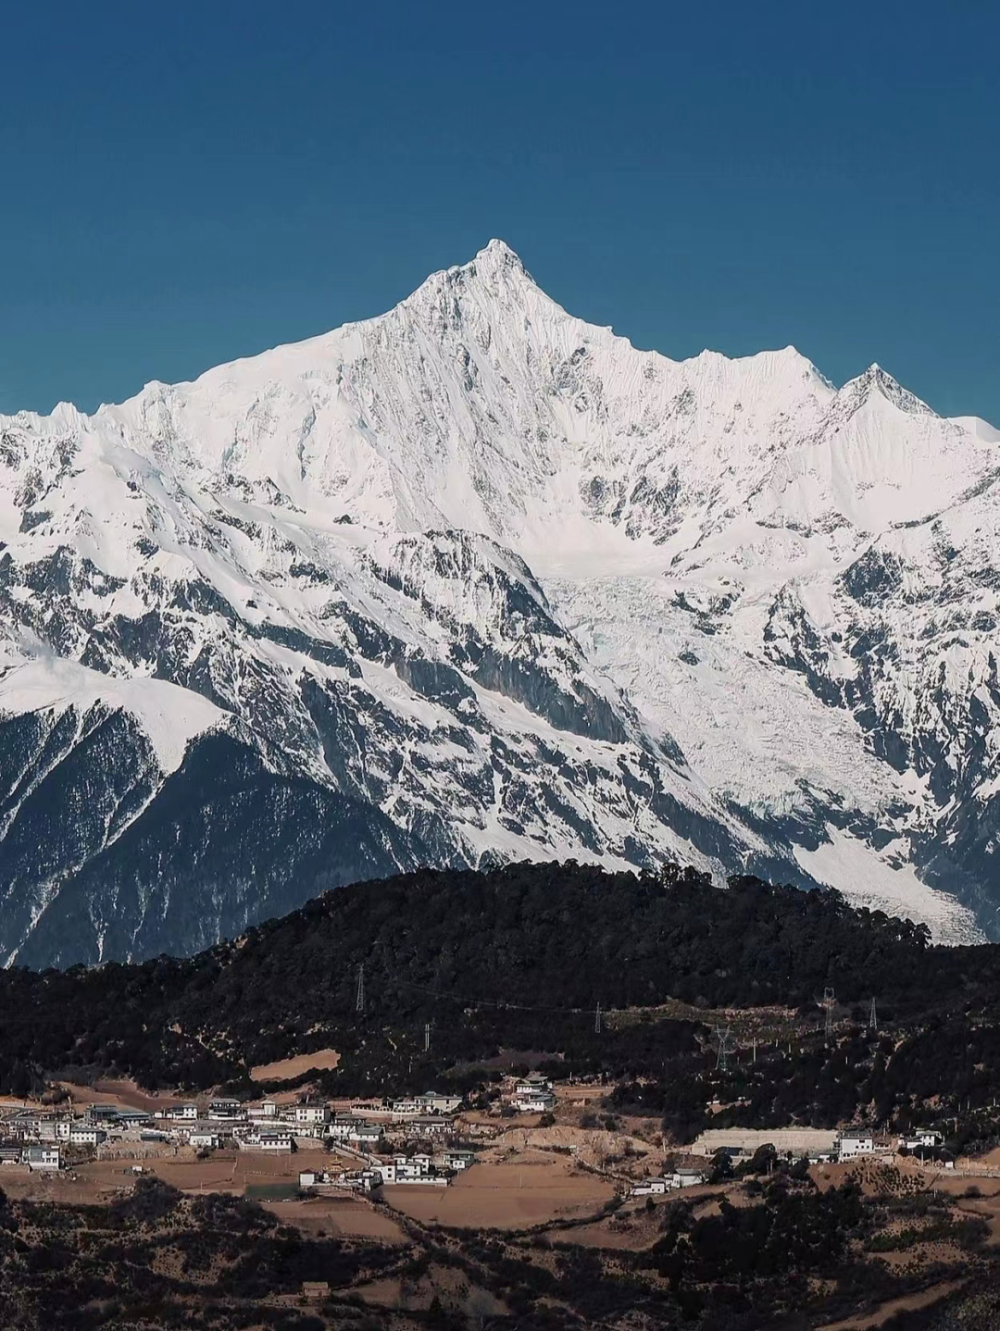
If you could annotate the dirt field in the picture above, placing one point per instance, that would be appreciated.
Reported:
(348, 1216)
(287, 1068)
(569, 1094)
(534, 1189)
(86, 1184)
(232, 1171)
(121, 1094)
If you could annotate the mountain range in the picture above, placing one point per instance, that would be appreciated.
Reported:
(475, 581)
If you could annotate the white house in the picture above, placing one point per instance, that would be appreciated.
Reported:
(341, 1126)
(183, 1111)
(267, 1139)
(534, 1102)
(852, 1144)
(534, 1081)
(650, 1186)
(364, 1134)
(85, 1134)
(203, 1139)
(429, 1127)
(275, 1139)
(686, 1178)
(226, 1109)
(921, 1137)
(533, 1094)
(458, 1159)
(311, 1112)
(41, 1157)
(405, 1171)
(434, 1102)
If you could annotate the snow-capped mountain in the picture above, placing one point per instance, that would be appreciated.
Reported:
(475, 580)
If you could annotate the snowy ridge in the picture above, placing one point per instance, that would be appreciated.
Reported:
(478, 580)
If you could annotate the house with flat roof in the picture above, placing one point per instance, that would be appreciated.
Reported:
(42, 1157)
(226, 1109)
(921, 1139)
(854, 1143)
(87, 1134)
(278, 1140)
(204, 1139)
(649, 1187)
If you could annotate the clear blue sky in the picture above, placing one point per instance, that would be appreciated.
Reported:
(183, 183)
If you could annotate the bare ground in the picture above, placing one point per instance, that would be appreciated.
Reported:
(285, 1069)
(530, 1191)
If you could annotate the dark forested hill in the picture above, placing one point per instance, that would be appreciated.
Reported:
(518, 957)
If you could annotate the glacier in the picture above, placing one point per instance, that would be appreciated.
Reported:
(474, 581)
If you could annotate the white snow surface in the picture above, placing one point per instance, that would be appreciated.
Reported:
(689, 529)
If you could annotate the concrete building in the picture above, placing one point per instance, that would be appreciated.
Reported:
(685, 1178)
(852, 1144)
(86, 1134)
(205, 1140)
(921, 1139)
(42, 1157)
(278, 1140)
(311, 1113)
(648, 1187)
(228, 1110)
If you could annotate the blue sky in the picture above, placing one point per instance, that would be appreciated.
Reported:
(185, 183)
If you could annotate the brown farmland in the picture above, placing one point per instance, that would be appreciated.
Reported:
(528, 1192)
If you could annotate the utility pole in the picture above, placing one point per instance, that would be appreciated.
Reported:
(873, 1017)
(597, 1020)
(359, 1005)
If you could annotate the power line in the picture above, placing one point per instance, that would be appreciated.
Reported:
(486, 1002)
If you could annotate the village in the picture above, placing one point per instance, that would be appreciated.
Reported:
(421, 1141)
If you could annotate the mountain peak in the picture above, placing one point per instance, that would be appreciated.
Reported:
(495, 267)
(498, 254)
(874, 381)
(495, 262)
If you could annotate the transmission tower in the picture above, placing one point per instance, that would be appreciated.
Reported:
(359, 1004)
(873, 1018)
(829, 1003)
(726, 1046)
(427, 1036)
(597, 1020)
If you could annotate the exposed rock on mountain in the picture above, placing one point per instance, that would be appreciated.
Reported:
(473, 581)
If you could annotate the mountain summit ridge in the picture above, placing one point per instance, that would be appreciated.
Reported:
(474, 580)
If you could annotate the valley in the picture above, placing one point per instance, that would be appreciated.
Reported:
(729, 1136)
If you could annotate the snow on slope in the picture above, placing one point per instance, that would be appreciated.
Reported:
(517, 588)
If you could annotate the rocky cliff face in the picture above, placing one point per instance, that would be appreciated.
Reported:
(474, 581)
